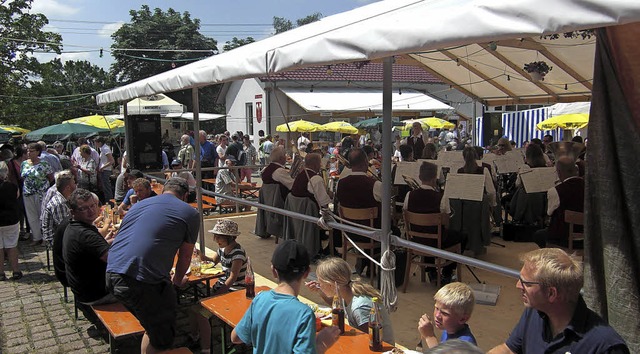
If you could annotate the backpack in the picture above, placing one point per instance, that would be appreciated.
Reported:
(242, 157)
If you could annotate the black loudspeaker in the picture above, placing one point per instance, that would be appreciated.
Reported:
(144, 142)
(491, 128)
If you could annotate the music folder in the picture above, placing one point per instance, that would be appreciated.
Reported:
(464, 186)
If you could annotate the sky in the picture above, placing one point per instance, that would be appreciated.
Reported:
(87, 25)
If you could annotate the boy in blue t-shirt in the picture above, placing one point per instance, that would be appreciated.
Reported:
(276, 321)
(452, 310)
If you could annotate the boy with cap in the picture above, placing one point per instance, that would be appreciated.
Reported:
(276, 322)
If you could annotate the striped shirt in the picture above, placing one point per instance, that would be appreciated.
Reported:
(226, 259)
(55, 212)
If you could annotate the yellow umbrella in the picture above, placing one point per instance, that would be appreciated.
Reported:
(339, 127)
(565, 121)
(437, 123)
(297, 126)
(14, 129)
(97, 121)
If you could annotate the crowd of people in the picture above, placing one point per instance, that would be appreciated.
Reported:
(60, 196)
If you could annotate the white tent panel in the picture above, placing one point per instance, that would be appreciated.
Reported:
(201, 116)
(361, 100)
(387, 28)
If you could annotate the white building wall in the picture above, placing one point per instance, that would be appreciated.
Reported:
(239, 94)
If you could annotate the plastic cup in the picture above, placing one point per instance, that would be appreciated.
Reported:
(133, 198)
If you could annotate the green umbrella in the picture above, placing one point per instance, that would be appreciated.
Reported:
(63, 132)
(5, 135)
(368, 123)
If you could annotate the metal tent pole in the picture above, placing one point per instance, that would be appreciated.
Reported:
(386, 152)
(196, 127)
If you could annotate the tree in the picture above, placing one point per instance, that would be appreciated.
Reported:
(21, 35)
(73, 84)
(281, 24)
(173, 35)
(235, 43)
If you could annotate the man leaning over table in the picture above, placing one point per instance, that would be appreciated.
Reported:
(276, 321)
(142, 256)
(556, 318)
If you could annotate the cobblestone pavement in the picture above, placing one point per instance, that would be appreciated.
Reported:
(35, 318)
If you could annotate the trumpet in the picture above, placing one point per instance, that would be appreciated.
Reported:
(296, 166)
(411, 182)
(370, 169)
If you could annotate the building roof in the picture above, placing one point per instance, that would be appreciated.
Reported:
(357, 71)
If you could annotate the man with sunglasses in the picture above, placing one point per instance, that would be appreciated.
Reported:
(556, 318)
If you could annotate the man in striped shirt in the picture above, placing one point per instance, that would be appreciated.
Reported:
(55, 208)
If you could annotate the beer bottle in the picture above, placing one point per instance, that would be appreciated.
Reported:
(375, 326)
(337, 311)
(249, 281)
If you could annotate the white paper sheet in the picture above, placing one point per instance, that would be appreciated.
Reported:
(536, 180)
(464, 186)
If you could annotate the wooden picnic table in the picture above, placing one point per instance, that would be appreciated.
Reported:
(230, 308)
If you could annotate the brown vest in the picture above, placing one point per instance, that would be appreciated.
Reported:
(571, 193)
(299, 188)
(356, 191)
(267, 178)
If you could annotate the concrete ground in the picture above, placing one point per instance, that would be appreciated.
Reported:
(34, 317)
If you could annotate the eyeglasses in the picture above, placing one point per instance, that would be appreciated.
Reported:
(528, 283)
(88, 207)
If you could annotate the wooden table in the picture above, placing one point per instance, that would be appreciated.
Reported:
(231, 307)
(248, 190)
(193, 281)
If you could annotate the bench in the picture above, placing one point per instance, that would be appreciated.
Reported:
(206, 208)
(118, 321)
(209, 200)
(121, 324)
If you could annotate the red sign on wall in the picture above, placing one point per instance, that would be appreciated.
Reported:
(259, 111)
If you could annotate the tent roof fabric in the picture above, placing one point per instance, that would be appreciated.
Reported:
(360, 100)
(423, 27)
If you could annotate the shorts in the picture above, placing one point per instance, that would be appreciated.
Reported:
(9, 236)
(154, 305)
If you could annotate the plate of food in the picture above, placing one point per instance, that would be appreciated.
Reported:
(322, 312)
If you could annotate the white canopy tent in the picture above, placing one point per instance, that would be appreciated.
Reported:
(393, 27)
(361, 100)
(443, 27)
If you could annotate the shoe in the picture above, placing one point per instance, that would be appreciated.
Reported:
(3, 277)
(36, 243)
(16, 275)
(25, 235)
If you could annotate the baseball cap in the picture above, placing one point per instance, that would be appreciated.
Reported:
(291, 256)
(176, 162)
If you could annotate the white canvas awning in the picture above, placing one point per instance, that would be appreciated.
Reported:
(154, 104)
(425, 28)
(201, 116)
(360, 100)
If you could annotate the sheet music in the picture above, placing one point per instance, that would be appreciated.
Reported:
(540, 179)
(464, 186)
(509, 162)
(409, 168)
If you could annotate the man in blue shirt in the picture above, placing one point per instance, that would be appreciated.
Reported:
(556, 318)
(141, 257)
(207, 154)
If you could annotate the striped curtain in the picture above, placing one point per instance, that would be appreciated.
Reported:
(521, 126)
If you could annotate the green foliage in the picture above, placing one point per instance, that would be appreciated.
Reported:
(157, 30)
(235, 43)
(281, 24)
(311, 18)
(21, 35)
(60, 92)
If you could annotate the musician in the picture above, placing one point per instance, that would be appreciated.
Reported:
(309, 183)
(276, 173)
(406, 153)
(427, 200)
(358, 190)
(417, 138)
(471, 166)
(568, 195)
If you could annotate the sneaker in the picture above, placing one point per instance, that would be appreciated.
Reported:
(3, 277)
(16, 275)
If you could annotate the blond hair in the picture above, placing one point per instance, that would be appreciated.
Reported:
(336, 270)
(553, 267)
(457, 296)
